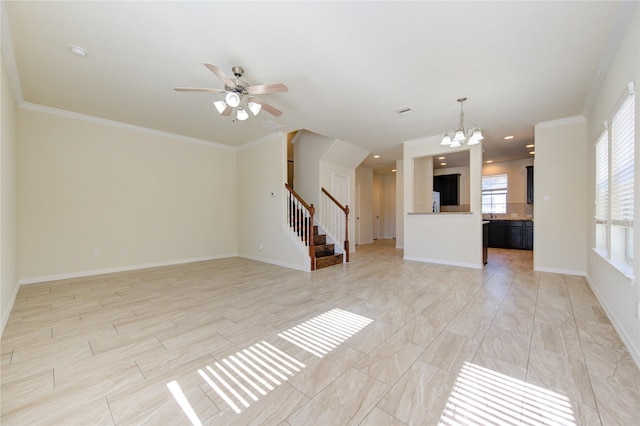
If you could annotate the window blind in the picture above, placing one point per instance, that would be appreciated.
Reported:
(602, 178)
(622, 163)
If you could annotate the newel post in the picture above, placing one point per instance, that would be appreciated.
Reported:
(312, 247)
(346, 232)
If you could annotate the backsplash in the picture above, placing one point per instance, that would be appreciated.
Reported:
(521, 211)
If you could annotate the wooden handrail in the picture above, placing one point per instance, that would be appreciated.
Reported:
(345, 209)
(299, 198)
(301, 225)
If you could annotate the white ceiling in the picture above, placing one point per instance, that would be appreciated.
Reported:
(348, 65)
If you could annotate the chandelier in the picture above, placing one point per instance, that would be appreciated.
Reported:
(461, 135)
(232, 100)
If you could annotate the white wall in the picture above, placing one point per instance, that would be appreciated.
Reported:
(560, 192)
(400, 213)
(364, 181)
(617, 294)
(308, 148)
(450, 238)
(262, 232)
(8, 201)
(86, 185)
(389, 211)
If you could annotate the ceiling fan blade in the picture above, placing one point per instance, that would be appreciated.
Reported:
(197, 89)
(227, 111)
(265, 106)
(260, 89)
(217, 71)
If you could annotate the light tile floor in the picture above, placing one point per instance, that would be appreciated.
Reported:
(379, 341)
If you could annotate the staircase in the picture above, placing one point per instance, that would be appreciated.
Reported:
(299, 216)
(324, 253)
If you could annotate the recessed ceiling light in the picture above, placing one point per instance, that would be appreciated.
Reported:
(376, 156)
(489, 161)
(443, 164)
(78, 51)
(529, 146)
(532, 152)
(506, 138)
(440, 158)
(393, 170)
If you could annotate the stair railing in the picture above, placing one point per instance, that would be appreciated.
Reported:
(300, 220)
(336, 220)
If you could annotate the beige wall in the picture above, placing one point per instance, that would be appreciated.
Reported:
(618, 294)
(8, 202)
(262, 232)
(454, 239)
(86, 186)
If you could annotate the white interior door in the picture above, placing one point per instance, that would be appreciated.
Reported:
(376, 214)
(357, 215)
(393, 214)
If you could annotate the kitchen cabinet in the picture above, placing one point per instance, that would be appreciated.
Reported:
(485, 241)
(528, 235)
(449, 188)
(498, 234)
(511, 234)
(516, 234)
(529, 184)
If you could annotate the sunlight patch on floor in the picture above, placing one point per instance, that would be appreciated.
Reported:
(322, 334)
(251, 373)
(484, 396)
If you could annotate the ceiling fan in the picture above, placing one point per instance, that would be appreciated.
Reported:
(238, 94)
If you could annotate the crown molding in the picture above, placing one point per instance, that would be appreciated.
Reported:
(119, 125)
(561, 121)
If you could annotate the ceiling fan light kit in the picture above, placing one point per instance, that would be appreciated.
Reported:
(462, 135)
(239, 94)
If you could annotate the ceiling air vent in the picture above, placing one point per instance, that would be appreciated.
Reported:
(403, 111)
(270, 125)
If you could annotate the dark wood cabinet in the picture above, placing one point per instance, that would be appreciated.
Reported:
(449, 188)
(516, 234)
(530, 184)
(498, 234)
(511, 234)
(528, 235)
(485, 242)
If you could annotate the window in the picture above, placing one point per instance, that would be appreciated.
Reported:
(602, 191)
(614, 186)
(494, 193)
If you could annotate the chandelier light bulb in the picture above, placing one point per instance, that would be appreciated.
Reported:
(233, 99)
(446, 140)
(254, 107)
(455, 144)
(220, 106)
(242, 114)
(459, 136)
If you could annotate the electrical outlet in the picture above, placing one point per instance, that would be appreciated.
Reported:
(638, 310)
(95, 253)
(125, 250)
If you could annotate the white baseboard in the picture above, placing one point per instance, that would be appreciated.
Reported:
(560, 271)
(66, 276)
(275, 262)
(443, 262)
(7, 312)
(628, 342)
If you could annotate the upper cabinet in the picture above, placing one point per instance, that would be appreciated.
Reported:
(449, 188)
(529, 184)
